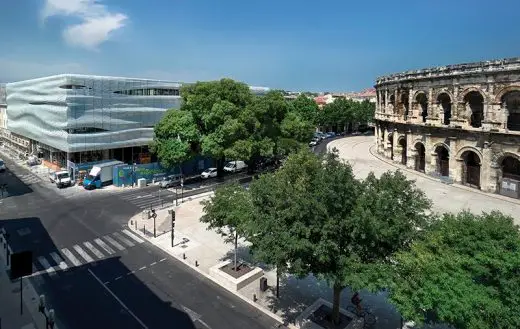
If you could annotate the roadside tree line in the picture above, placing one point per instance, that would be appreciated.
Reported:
(226, 121)
(313, 216)
(345, 114)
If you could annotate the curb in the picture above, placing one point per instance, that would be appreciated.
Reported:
(456, 185)
(207, 276)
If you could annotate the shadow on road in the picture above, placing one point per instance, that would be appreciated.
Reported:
(81, 296)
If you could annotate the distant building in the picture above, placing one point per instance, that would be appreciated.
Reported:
(327, 98)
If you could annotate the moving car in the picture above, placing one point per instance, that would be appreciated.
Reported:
(235, 166)
(2, 166)
(170, 181)
(208, 173)
(61, 178)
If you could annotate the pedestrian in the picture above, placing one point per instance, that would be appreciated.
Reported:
(356, 300)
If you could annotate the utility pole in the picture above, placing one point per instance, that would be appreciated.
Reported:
(172, 212)
(154, 216)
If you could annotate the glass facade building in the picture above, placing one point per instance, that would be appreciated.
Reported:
(70, 116)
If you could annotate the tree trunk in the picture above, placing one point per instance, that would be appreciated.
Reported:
(236, 251)
(277, 282)
(335, 303)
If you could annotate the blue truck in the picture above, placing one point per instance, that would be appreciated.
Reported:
(101, 175)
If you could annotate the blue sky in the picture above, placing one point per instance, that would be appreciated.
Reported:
(295, 45)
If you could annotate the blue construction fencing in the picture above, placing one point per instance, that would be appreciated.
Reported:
(128, 174)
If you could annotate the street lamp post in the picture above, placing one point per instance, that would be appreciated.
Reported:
(172, 212)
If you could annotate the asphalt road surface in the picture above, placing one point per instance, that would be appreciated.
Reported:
(97, 274)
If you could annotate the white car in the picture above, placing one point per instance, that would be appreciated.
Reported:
(313, 143)
(208, 173)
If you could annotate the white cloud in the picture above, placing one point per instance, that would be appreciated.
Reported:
(16, 70)
(96, 22)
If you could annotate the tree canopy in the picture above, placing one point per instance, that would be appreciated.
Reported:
(343, 112)
(310, 217)
(225, 120)
(464, 270)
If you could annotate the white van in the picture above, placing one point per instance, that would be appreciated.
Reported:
(235, 166)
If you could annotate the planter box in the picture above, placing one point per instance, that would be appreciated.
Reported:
(230, 282)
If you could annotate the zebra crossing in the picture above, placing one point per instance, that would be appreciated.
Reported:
(29, 178)
(148, 197)
(85, 253)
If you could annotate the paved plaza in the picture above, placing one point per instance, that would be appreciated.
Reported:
(359, 151)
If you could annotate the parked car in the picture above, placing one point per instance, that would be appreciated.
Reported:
(2, 166)
(170, 181)
(33, 161)
(60, 178)
(235, 166)
(313, 143)
(208, 173)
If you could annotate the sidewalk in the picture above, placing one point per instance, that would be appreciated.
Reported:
(194, 242)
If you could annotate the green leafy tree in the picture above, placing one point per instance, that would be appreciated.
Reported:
(464, 270)
(306, 107)
(176, 138)
(333, 225)
(224, 120)
(228, 212)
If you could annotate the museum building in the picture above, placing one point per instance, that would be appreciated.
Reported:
(460, 123)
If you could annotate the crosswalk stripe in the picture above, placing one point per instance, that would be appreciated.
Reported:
(123, 239)
(67, 253)
(103, 245)
(94, 250)
(114, 242)
(83, 254)
(48, 268)
(133, 236)
(59, 261)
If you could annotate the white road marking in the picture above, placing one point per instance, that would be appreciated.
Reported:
(133, 236)
(152, 264)
(94, 250)
(83, 254)
(120, 237)
(162, 260)
(114, 242)
(48, 268)
(118, 300)
(103, 245)
(61, 263)
(142, 268)
(66, 252)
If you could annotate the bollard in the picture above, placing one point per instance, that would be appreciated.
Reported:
(131, 222)
(183, 256)
(254, 298)
(144, 229)
(196, 263)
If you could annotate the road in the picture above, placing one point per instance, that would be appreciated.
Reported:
(446, 198)
(96, 274)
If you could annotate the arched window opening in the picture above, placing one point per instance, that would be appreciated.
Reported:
(405, 105)
(474, 102)
(403, 146)
(444, 101)
(391, 106)
(420, 159)
(511, 101)
(391, 142)
(511, 168)
(443, 161)
(471, 169)
(422, 102)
